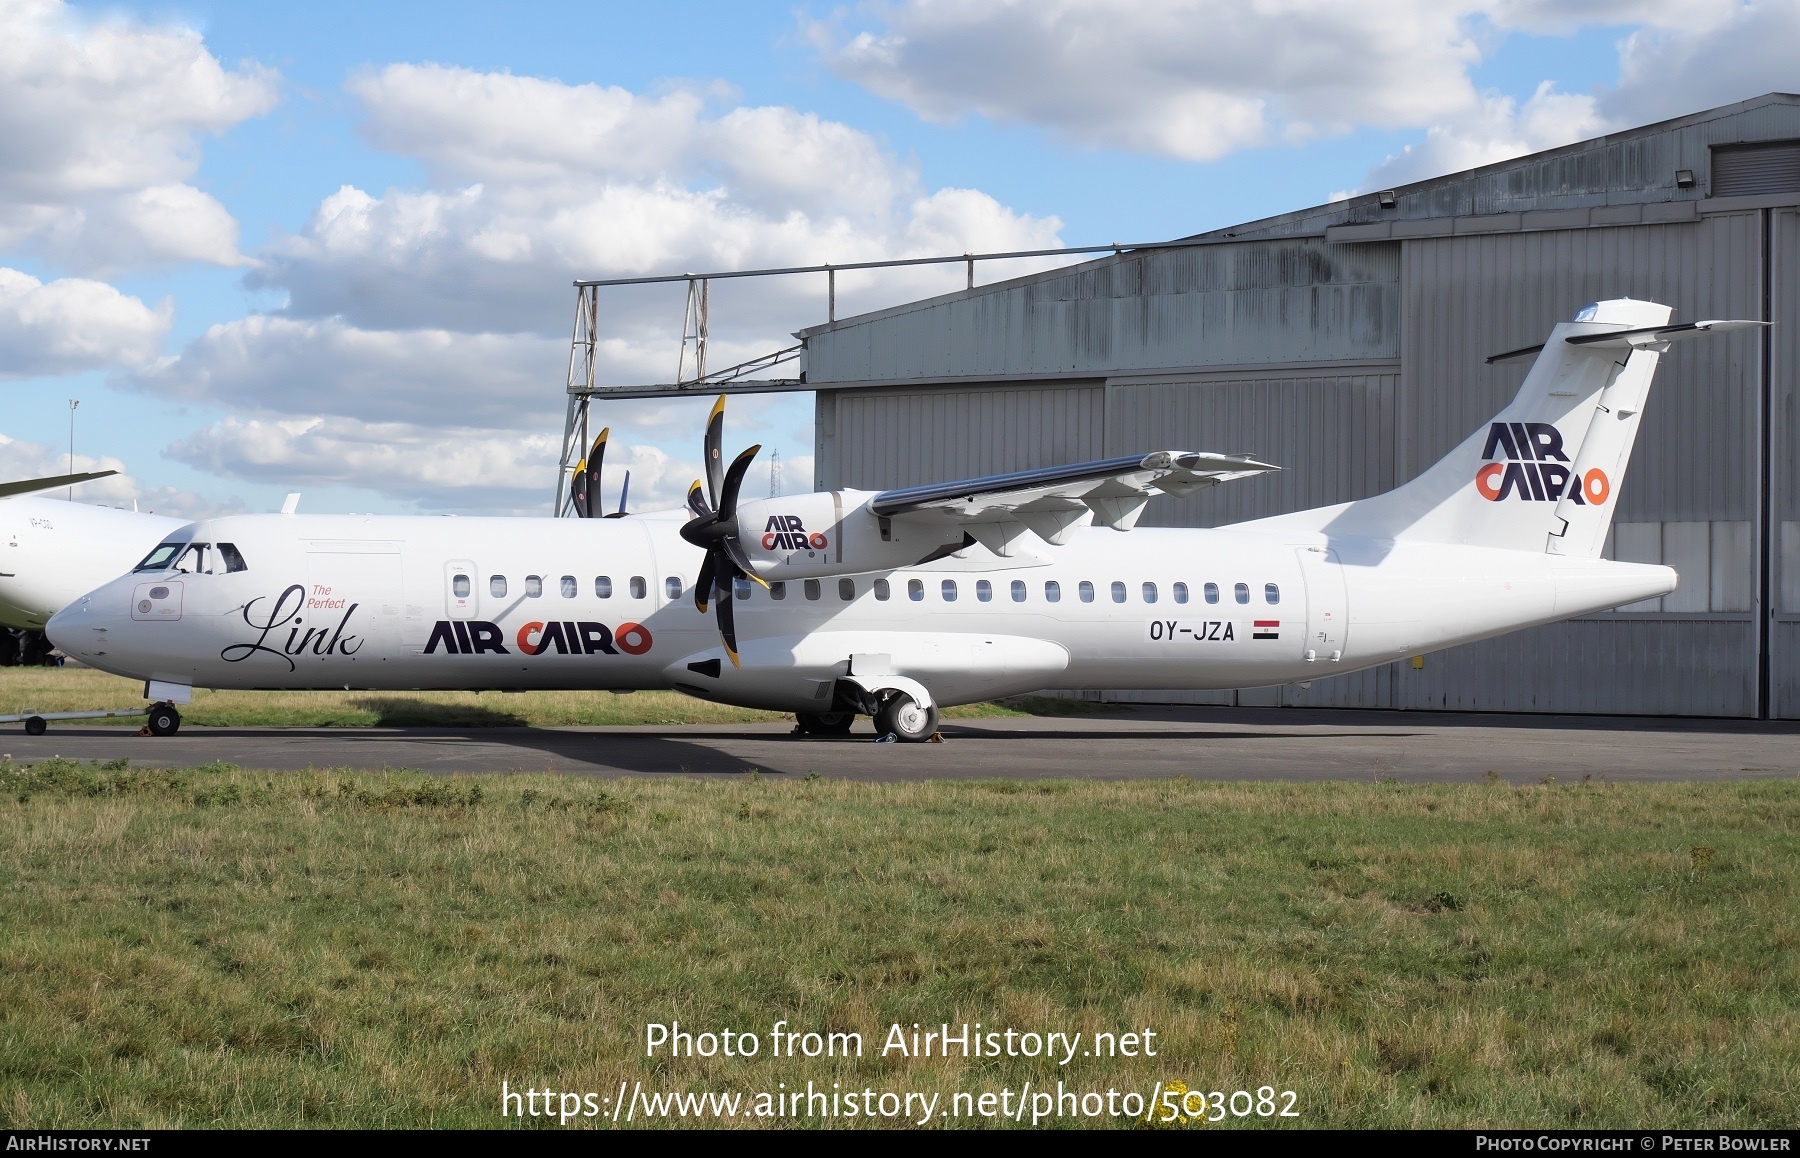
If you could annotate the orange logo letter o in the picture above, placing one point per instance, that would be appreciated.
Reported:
(1595, 486)
(632, 638)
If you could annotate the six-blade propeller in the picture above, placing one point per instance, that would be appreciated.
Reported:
(714, 529)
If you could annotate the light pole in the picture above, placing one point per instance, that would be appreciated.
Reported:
(73, 403)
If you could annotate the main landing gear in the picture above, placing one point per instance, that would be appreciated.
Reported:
(825, 723)
(897, 715)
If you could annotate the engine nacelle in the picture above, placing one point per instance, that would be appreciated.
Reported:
(834, 533)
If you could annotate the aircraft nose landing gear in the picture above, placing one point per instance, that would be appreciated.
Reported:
(164, 720)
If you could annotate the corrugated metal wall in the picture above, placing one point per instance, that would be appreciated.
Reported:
(897, 438)
(1333, 432)
(1291, 300)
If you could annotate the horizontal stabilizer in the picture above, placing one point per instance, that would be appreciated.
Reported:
(28, 485)
(1642, 337)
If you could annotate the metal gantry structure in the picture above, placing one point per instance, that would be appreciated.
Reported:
(691, 373)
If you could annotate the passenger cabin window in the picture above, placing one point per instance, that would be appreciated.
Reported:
(949, 590)
(778, 591)
(1271, 593)
(1085, 590)
(1052, 591)
(1118, 591)
(915, 589)
(459, 586)
(846, 589)
(812, 588)
(1018, 590)
(1241, 592)
(161, 556)
(984, 591)
(740, 587)
(232, 558)
(1149, 593)
(534, 586)
(567, 583)
(603, 586)
(1181, 592)
(1212, 592)
(881, 589)
(497, 586)
(672, 586)
(639, 588)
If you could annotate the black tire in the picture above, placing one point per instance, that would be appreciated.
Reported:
(36, 726)
(164, 720)
(902, 716)
(825, 723)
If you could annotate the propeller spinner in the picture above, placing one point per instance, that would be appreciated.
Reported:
(714, 529)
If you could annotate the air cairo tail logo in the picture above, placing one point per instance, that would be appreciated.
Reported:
(785, 533)
(1535, 469)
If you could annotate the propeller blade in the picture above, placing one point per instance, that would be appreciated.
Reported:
(715, 438)
(624, 492)
(596, 456)
(727, 627)
(578, 490)
(703, 586)
(696, 501)
(734, 551)
(734, 478)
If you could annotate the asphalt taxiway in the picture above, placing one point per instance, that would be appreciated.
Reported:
(1143, 742)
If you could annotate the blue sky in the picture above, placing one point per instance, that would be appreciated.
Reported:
(412, 187)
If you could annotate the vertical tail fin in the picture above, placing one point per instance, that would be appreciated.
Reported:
(1544, 474)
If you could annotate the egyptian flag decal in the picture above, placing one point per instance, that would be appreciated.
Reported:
(1267, 629)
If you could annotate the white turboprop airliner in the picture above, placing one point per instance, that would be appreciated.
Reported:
(895, 603)
(52, 551)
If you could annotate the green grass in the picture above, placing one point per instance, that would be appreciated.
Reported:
(73, 689)
(210, 946)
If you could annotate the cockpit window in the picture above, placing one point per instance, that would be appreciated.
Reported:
(193, 560)
(161, 556)
(232, 558)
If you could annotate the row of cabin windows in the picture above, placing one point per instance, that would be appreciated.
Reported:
(846, 589)
(1020, 591)
(570, 587)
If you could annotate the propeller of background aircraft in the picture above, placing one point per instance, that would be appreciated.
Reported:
(584, 484)
(714, 529)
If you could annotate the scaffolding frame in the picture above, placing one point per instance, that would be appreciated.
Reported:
(583, 387)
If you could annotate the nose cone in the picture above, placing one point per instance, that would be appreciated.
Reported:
(63, 625)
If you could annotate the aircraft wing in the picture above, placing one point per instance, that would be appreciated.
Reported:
(1051, 501)
(27, 485)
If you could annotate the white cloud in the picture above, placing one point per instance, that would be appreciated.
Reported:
(1199, 79)
(468, 469)
(536, 183)
(1742, 51)
(424, 343)
(1497, 130)
(20, 459)
(99, 133)
(73, 324)
(434, 377)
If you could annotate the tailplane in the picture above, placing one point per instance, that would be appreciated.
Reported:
(1544, 474)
